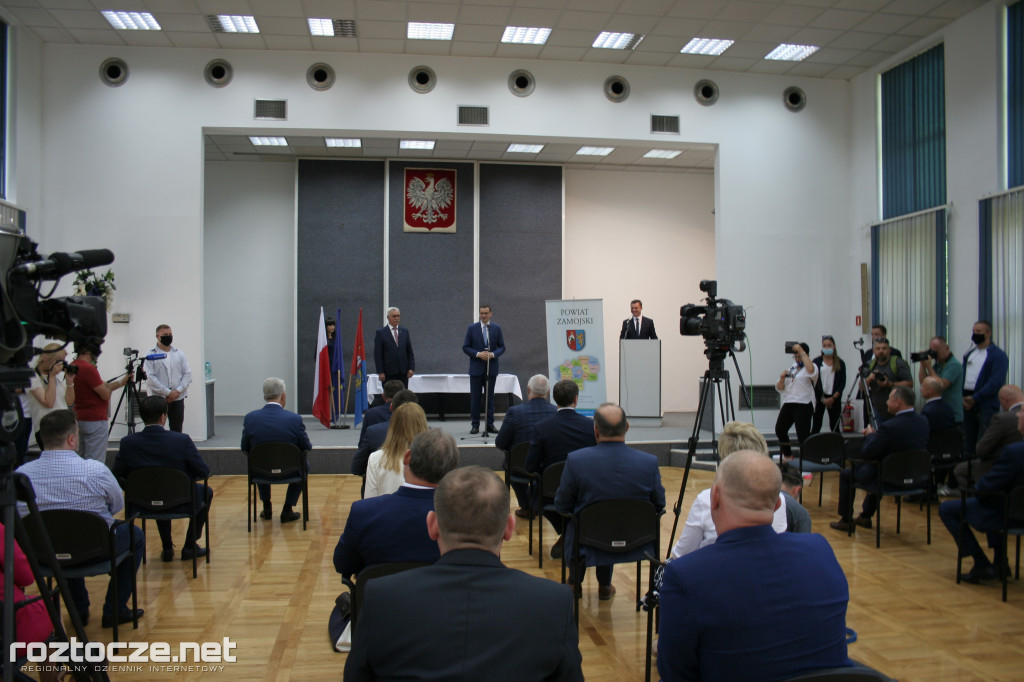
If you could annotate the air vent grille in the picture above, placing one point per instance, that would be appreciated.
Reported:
(474, 116)
(765, 397)
(664, 124)
(271, 109)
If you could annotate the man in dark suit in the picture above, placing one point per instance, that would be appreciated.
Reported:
(484, 344)
(1001, 432)
(376, 433)
(938, 413)
(380, 413)
(454, 620)
(391, 528)
(155, 446)
(519, 425)
(637, 326)
(274, 424)
(904, 430)
(392, 351)
(716, 604)
(554, 439)
(985, 368)
(608, 471)
(985, 511)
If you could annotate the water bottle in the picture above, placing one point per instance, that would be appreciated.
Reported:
(209, 371)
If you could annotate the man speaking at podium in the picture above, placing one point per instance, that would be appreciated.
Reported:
(637, 326)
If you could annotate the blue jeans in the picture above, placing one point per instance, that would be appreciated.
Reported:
(124, 576)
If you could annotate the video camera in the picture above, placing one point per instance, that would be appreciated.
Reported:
(721, 322)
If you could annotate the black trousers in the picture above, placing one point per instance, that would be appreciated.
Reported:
(790, 414)
(834, 414)
(176, 415)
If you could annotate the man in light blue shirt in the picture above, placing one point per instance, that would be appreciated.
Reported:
(169, 377)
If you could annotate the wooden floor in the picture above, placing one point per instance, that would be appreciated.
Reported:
(271, 592)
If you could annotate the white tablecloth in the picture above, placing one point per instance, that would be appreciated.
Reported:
(448, 383)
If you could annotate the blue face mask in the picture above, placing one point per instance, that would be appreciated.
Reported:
(828, 351)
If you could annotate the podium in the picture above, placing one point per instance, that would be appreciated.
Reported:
(640, 380)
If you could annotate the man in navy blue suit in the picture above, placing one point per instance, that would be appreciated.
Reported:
(756, 604)
(391, 528)
(484, 344)
(155, 446)
(985, 511)
(392, 351)
(904, 430)
(985, 368)
(519, 425)
(637, 326)
(274, 424)
(608, 471)
(938, 413)
(376, 433)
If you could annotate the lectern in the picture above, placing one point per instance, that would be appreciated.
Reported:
(640, 380)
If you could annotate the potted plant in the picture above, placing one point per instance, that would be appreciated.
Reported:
(88, 283)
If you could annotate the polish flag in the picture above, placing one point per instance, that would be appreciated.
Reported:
(322, 376)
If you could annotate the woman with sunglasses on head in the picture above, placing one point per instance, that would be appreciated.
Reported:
(828, 392)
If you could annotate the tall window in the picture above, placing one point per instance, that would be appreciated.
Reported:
(1001, 274)
(914, 135)
(1015, 95)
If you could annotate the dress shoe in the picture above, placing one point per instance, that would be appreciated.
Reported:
(557, 548)
(125, 616)
(524, 513)
(842, 524)
(167, 554)
(267, 513)
(287, 515)
(605, 592)
(492, 428)
(863, 521)
(981, 574)
(475, 429)
(188, 552)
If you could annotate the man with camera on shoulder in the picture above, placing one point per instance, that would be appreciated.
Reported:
(885, 372)
(939, 362)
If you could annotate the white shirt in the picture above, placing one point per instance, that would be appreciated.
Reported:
(799, 386)
(699, 530)
(975, 361)
(379, 480)
(169, 374)
(828, 377)
(36, 408)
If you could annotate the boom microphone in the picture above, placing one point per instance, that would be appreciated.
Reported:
(60, 264)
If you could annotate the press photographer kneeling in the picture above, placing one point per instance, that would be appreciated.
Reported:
(796, 385)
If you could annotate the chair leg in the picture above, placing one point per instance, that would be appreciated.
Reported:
(540, 534)
(144, 532)
(1017, 570)
(960, 539)
(899, 513)
(305, 500)
(195, 545)
(821, 486)
(928, 512)
(638, 586)
(650, 627)
(878, 522)
(1005, 560)
(250, 508)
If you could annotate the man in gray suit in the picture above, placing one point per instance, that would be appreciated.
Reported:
(1001, 431)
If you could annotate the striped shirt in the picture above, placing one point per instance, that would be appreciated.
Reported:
(63, 480)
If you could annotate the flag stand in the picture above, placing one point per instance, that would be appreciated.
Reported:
(337, 396)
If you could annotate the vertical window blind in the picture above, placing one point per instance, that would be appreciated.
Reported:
(1001, 275)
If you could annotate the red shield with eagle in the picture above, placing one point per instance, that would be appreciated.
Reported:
(429, 200)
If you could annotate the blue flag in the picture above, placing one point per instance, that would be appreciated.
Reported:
(337, 371)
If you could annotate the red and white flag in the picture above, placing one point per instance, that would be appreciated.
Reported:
(322, 376)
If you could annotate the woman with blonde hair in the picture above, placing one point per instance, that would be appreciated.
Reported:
(699, 529)
(52, 387)
(384, 469)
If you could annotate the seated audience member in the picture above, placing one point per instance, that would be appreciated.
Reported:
(384, 470)
(904, 430)
(467, 617)
(939, 415)
(63, 480)
(699, 530)
(519, 425)
(985, 511)
(274, 424)
(382, 412)
(756, 605)
(797, 518)
(376, 433)
(155, 446)
(1001, 432)
(391, 528)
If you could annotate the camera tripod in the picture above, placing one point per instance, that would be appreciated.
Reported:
(862, 385)
(714, 378)
(133, 392)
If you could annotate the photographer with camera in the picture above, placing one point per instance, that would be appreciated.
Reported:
(884, 372)
(796, 385)
(92, 402)
(939, 362)
(53, 385)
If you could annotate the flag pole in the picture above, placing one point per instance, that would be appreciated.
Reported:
(339, 372)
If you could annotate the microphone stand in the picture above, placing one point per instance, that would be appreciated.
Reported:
(487, 392)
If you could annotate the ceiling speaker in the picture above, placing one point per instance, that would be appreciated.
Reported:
(218, 73)
(422, 79)
(705, 92)
(520, 83)
(114, 72)
(794, 98)
(616, 89)
(320, 76)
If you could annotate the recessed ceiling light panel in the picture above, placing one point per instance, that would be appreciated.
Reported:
(791, 53)
(525, 35)
(268, 141)
(131, 21)
(348, 142)
(594, 151)
(332, 28)
(424, 31)
(525, 148)
(617, 41)
(662, 154)
(233, 23)
(706, 46)
(416, 144)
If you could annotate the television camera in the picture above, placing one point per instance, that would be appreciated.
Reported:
(721, 322)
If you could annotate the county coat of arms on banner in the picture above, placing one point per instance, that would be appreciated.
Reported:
(576, 339)
(429, 200)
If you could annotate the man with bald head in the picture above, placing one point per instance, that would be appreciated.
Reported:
(1001, 431)
(936, 410)
(756, 605)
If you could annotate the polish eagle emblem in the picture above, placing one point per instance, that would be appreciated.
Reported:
(430, 200)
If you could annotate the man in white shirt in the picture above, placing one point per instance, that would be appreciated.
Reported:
(169, 377)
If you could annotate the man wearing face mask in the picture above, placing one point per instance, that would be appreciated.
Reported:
(169, 377)
(985, 368)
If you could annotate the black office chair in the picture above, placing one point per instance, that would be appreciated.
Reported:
(1013, 524)
(900, 474)
(548, 484)
(857, 673)
(946, 446)
(357, 588)
(162, 493)
(515, 472)
(820, 453)
(84, 546)
(274, 464)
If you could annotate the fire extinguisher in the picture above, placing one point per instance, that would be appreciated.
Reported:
(848, 418)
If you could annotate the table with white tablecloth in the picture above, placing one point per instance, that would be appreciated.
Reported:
(449, 383)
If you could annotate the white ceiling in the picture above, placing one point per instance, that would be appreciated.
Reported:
(853, 35)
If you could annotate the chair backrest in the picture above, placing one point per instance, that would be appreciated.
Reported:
(909, 469)
(824, 448)
(517, 456)
(618, 526)
(78, 537)
(1015, 507)
(551, 478)
(158, 488)
(371, 572)
(946, 445)
(276, 460)
(853, 445)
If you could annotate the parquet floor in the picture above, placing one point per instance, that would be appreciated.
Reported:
(271, 592)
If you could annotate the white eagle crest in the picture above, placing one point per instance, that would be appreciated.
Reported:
(429, 199)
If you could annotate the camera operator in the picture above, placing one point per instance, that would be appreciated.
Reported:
(884, 372)
(939, 362)
(92, 402)
(828, 391)
(53, 385)
(796, 385)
